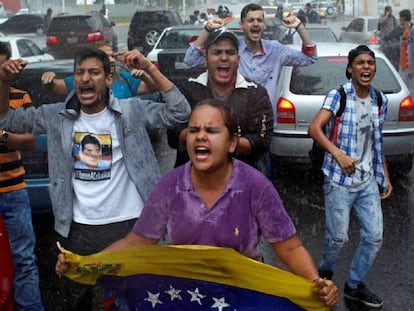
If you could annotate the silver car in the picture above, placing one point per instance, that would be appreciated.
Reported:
(361, 30)
(301, 92)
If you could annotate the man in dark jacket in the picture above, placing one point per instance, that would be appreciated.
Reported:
(249, 101)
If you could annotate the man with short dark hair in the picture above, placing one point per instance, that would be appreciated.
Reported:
(387, 22)
(311, 15)
(355, 169)
(92, 207)
(260, 59)
(249, 101)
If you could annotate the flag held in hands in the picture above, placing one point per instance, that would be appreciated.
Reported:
(191, 277)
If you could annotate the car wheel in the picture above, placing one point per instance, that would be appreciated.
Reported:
(151, 37)
(330, 10)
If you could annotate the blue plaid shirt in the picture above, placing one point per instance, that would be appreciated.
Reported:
(347, 134)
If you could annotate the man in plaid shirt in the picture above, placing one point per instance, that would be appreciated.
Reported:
(354, 167)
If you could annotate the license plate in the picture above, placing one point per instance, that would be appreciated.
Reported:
(72, 40)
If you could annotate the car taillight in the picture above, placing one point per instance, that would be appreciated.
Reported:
(94, 36)
(406, 109)
(373, 40)
(51, 40)
(285, 111)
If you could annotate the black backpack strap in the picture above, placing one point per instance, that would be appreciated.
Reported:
(342, 101)
(379, 98)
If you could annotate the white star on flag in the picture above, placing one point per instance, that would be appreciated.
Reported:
(220, 304)
(174, 293)
(196, 296)
(153, 298)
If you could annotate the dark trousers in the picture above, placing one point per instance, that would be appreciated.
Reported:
(86, 240)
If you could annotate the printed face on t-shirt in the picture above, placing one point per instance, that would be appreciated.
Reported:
(93, 156)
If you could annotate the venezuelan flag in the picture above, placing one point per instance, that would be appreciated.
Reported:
(178, 277)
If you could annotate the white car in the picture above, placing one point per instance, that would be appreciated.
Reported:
(174, 38)
(302, 90)
(361, 30)
(26, 49)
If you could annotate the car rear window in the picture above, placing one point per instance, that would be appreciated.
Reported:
(177, 39)
(329, 72)
(73, 23)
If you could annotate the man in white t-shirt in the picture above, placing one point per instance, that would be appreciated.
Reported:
(95, 206)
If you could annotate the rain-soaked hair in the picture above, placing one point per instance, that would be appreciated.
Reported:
(86, 53)
(229, 118)
(5, 50)
(250, 7)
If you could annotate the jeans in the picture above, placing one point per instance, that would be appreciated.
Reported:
(367, 206)
(17, 214)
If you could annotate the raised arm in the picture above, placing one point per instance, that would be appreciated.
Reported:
(57, 86)
(135, 60)
(8, 70)
(291, 21)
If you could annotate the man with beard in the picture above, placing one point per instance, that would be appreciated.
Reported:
(260, 59)
(249, 101)
(92, 207)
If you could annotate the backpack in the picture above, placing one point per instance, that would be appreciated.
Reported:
(317, 154)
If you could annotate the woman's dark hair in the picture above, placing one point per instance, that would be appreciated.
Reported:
(250, 7)
(229, 118)
(86, 53)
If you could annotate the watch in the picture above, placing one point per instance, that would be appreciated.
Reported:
(4, 136)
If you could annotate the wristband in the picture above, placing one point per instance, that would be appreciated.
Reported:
(207, 29)
(300, 23)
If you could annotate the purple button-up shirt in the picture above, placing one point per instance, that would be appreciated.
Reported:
(248, 207)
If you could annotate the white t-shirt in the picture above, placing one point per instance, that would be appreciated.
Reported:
(104, 193)
(365, 132)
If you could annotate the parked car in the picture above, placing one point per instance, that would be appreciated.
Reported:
(146, 27)
(317, 32)
(26, 49)
(69, 33)
(301, 91)
(22, 24)
(173, 38)
(168, 53)
(361, 30)
(326, 9)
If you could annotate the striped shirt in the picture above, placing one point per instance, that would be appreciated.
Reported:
(11, 165)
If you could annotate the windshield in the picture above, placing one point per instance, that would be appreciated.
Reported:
(178, 39)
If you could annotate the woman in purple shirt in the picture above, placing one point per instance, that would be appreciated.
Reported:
(220, 201)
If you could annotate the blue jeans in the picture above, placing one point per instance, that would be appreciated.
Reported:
(15, 208)
(367, 206)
